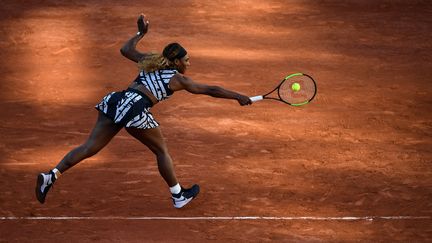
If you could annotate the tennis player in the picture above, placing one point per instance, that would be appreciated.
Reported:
(160, 76)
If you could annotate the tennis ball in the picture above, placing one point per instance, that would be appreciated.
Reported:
(295, 87)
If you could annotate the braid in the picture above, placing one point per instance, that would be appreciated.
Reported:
(153, 62)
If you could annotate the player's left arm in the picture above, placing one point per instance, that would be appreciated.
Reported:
(181, 82)
(129, 48)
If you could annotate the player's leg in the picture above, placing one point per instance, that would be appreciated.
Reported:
(104, 130)
(153, 139)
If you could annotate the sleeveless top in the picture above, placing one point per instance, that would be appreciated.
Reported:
(157, 82)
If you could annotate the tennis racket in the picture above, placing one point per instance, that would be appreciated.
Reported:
(296, 89)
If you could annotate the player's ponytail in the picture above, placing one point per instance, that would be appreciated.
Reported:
(153, 62)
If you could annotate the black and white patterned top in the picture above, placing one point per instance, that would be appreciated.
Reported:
(157, 82)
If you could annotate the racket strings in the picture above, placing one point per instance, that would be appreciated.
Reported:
(304, 94)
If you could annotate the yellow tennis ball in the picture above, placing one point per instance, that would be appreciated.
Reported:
(295, 87)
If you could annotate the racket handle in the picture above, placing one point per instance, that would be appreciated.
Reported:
(256, 98)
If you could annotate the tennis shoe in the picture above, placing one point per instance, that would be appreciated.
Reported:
(185, 196)
(43, 184)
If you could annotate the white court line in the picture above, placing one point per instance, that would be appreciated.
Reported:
(368, 218)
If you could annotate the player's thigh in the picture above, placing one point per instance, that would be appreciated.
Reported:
(152, 138)
(104, 130)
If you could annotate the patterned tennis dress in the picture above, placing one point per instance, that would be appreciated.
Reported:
(130, 107)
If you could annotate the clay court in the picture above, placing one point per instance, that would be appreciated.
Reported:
(354, 165)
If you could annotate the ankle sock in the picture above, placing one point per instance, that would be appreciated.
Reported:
(56, 172)
(175, 189)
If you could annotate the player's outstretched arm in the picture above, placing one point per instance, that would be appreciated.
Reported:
(129, 48)
(180, 82)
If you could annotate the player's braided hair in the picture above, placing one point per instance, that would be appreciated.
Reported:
(156, 61)
(153, 62)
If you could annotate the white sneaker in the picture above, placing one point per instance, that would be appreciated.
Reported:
(43, 184)
(185, 196)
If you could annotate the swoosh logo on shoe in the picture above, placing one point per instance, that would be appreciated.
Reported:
(182, 198)
(44, 183)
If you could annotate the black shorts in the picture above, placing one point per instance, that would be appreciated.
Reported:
(130, 108)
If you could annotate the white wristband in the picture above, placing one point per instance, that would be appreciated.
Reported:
(138, 33)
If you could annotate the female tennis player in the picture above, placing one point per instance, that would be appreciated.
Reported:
(159, 77)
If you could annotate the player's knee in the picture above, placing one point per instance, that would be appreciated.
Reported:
(160, 152)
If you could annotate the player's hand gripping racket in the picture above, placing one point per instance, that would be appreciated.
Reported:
(296, 89)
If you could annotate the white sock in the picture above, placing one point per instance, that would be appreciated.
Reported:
(56, 173)
(175, 189)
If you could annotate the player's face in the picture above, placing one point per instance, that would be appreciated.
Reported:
(182, 64)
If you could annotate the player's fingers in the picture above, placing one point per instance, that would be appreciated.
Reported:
(145, 20)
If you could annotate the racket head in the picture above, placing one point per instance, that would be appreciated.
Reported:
(297, 89)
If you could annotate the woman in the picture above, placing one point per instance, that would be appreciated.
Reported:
(160, 77)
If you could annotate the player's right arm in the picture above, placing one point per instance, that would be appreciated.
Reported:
(181, 82)
(129, 48)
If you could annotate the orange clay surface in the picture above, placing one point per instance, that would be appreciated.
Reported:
(362, 148)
